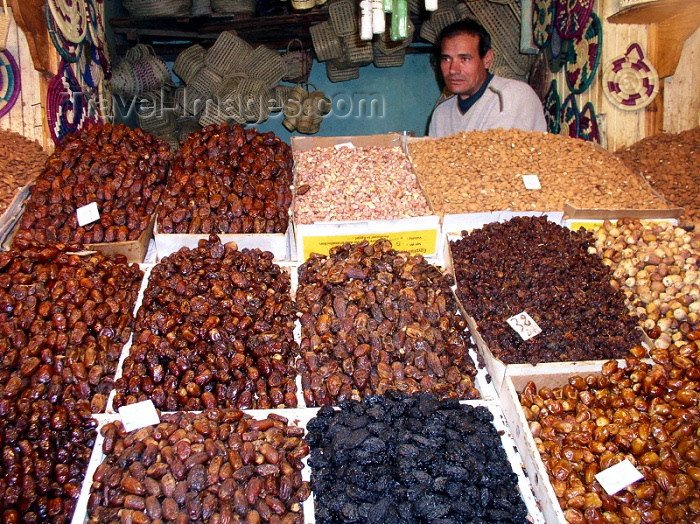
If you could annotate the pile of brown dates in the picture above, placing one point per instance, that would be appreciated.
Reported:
(215, 329)
(227, 179)
(123, 170)
(373, 320)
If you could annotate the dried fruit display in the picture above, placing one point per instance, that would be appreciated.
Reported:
(670, 163)
(214, 467)
(227, 179)
(482, 171)
(21, 160)
(375, 319)
(215, 329)
(645, 413)
(656, 266)
(531, 264)
(410, 459)
(65, 317)
(364, 183)
(123, 170)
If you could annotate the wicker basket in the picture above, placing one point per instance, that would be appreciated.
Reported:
(292, 107)
(250, 103)
(228, 85)
(206, 81)
(157, 8)
(343, 17)
(189, 101)
(189, 62)
(442, 18)
(427, 32)
(150, 74)
(154, 116)
(228, 54)
(266, 65)
(239, 7)
(185, 126)
(123, 79)
(212, 114)
(356, 52)
(326, 44)
(303, 4)
(392, 60)
(298, 63)
(341, 72)
(280, 95)
(387, 46)
(201, 8)
(309, 124)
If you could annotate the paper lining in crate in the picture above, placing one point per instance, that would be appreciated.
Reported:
(575, 218)
(228, 54)
(189, 62)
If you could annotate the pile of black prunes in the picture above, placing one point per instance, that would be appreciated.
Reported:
(399, 459)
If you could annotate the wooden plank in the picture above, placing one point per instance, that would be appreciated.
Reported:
(681, 92)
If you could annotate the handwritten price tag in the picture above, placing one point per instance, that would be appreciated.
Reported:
(531, 182)
(618, 477)
(348, 145)
(524, 325)
(88, 214)
(139, 415)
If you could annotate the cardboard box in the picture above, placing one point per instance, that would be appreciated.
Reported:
(454, 224)
(575, 218)
(279, 244)
(418, 235)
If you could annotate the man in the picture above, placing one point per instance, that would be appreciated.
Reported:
(482, 100)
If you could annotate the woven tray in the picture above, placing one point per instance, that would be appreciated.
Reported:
(588, 124)
(70, 17)
(571, 17)
(10, 82)
(630, 81)
(570, 117)
(584, 57)
(552, 106)
(65, 113)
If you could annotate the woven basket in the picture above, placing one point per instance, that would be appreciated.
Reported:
(266, 65)
(292, 107)
(251, 102)
(185, 126)
(201, 8)
(387, 46)
(228, 85)
(212, 114)
(157, 8)
(309, 124)
(340, 72)
(427, 32)
(303, 4)
(189, 62)
(123, 79)
(228, 54)
(320, 103)
(153, 114)
(392, 60)
(206, 81)
(326, 44)
(240, 7)
(356, 52)
(189, 101)
(280, 94)
(343, 17)
(298, 63)
(442, 18)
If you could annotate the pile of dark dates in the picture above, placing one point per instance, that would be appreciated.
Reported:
(64, 319)
(215, 329)
(123, 170)
(374, 320)
(227, 179)
(531, 264)
(215, 467)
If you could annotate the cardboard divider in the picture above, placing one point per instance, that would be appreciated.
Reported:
(10, 216)
(591, 218)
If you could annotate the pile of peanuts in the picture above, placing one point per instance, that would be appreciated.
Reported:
(656, 265)
(646, 413)
(367, 183)
(374, 320)
(215, 329)
(482, 171)
(670, 163)
(216, 467)
(21, 160)
(122, 170)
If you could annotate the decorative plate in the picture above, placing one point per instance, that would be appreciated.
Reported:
(66, 106)
(570, 117)
(630, 81)
(10, 82)
(68, 50)
(571, 17)
(557, 51)
(95, 18)
(70, 17)
(552, 105)
(542, 21)
(539, 73)
(584, 56)
(588, 124)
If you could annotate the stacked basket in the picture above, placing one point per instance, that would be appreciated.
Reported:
(304, 111)
(140, 72)
(157, 8)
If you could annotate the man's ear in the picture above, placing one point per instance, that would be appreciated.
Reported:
(488, 58)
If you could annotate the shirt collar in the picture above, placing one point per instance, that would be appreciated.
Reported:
(465, 104)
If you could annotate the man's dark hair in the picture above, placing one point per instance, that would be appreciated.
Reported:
(467, 26)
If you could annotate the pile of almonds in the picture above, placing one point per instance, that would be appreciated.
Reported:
(670, 163)
(21, 160)
(482, 171)
(656, 265)
(367, 183)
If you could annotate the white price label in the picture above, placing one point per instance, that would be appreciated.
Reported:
(88, 214)
(139, 415)
(348, 145)
(618, 477)
(524, 325)
(531, 182)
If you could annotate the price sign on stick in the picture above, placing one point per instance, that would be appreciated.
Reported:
(524, 325)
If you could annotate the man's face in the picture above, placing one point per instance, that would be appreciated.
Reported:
(462, 68)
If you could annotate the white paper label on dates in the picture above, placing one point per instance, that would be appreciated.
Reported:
(618, 477)
(531, 182)
(524, 325)
(348, 145)
(88, 214)
(139, 415)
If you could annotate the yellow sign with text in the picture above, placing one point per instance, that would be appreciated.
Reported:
(415, 242)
